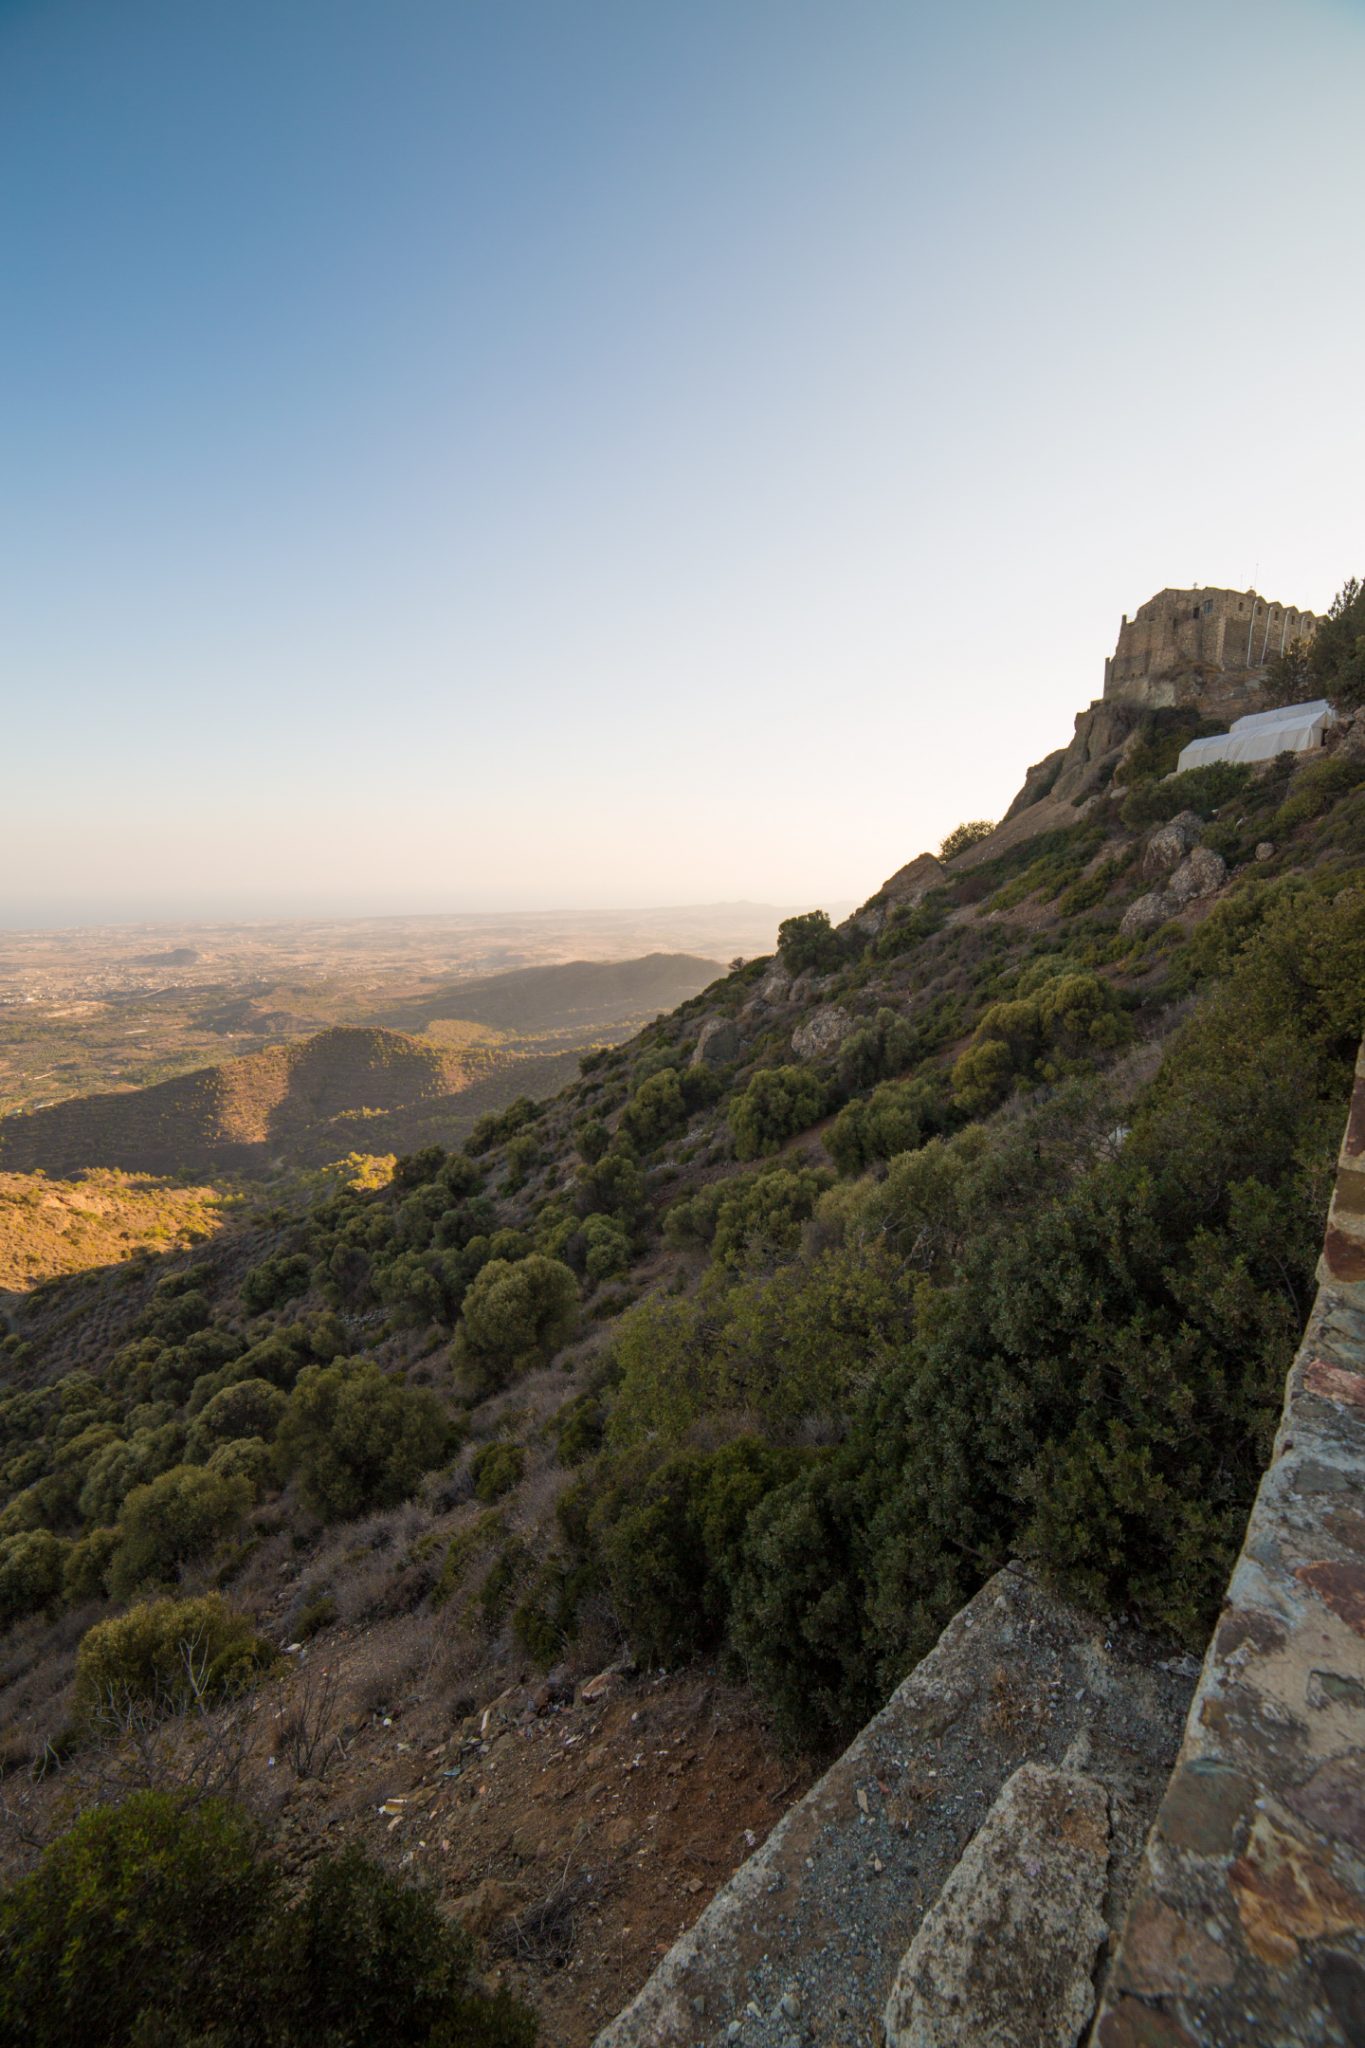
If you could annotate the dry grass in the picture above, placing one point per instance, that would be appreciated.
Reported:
(49, 1227)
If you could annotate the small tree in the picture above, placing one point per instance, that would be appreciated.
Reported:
(360, 1438)
(516, 1315)
(963, 836)
(164, 1655)
(173, 1521)
(778, 1102)
(1337, 655)
(809, 941)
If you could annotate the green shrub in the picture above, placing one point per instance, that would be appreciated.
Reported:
(1037, 1037)
(1316, 787)
(1337, 653)
(162, 1655)
(606, 1248)
(578, 1429)
(364, 1961)
(896, 1117)
(759, 1216)
(1202, 790)
(875, 1052)
(134, 1928)
(592, 1139)
(246, 1457)
(516, 1315)
(31, 1571)
(810, 942)
(85, 1575)
(160, 1921)
(964, 836)
(496, 1469)
(251, 1407)
(800, 1621)
(614, 1186)
(671, 1545)
(173, 1521)
(778, 1102)
(657, 1111)
(275, 1281)
(359, 1438)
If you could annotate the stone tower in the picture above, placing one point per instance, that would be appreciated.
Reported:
(1200, 647)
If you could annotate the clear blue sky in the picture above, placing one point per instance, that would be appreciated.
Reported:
(491, 454)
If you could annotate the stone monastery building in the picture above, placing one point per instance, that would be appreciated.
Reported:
(1180, 641)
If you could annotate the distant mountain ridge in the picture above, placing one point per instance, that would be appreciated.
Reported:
(357, 1088)
(599, 993)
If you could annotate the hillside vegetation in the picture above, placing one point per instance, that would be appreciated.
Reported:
(982, 1227)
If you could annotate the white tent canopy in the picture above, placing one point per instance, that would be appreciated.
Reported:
(1292, 729)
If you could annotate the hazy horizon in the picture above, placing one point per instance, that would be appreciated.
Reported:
(474, 460)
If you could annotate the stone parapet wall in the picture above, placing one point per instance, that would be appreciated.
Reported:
(1248, 1923)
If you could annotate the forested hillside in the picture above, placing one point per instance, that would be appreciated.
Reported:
(983, 1227)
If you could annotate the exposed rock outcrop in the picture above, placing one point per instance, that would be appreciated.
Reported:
(1201, 873)
(1037, 783)
(823, 1032)
(717, 1044)
(902, 891)
(1169, 844)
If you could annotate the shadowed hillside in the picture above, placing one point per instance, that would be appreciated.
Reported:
(310, 1101)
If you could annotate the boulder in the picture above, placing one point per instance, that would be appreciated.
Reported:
(1008, 1951)
(1147, 913)
(1168, 845)
(823, 1032)
(776, 984)
(1265, 849)
(1201, 873)
(717, 1044)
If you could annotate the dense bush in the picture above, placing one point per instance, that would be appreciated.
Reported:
(1336, 657)
(157, 1921)
(164, 1655)
(778, 1102)
(173, 1521)
(275, 1281)
(360, 1438)
(672, 1542)
(31, 1570)
(1036, 1038)
(810, 942)
(516, 1315)
(1094, 1376)
(964, 836)
(896, 1117)
(1202, 790)
(656, 1111)
(1316, 787)
(250, 1407)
